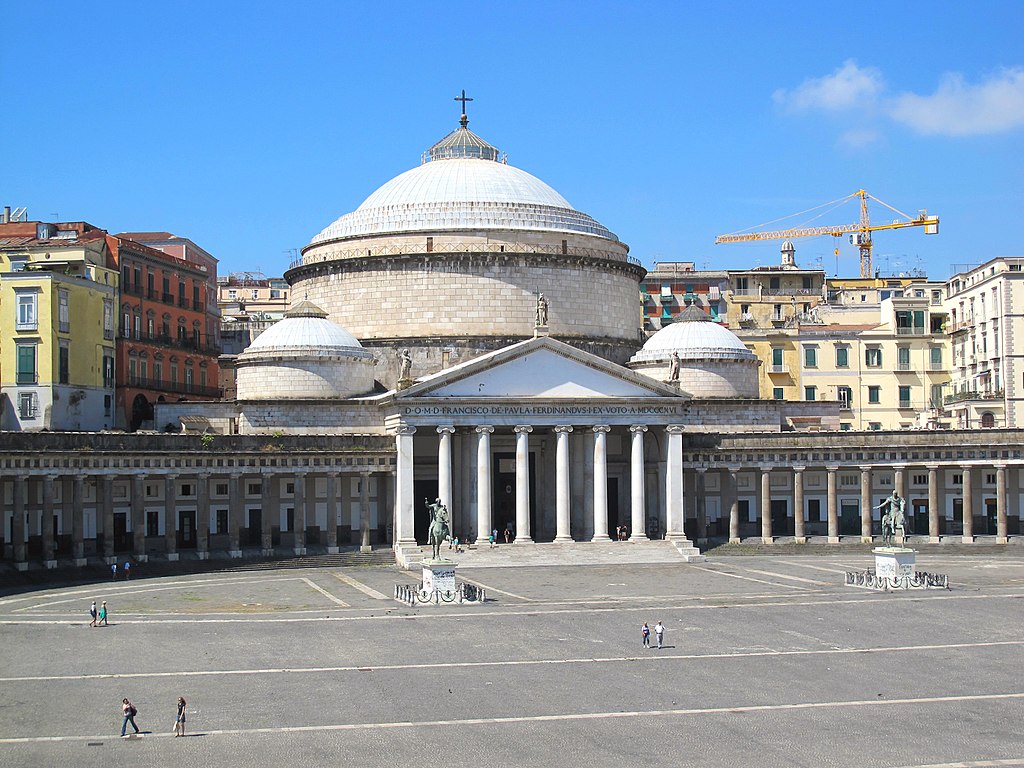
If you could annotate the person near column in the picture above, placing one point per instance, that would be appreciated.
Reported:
(645, 632)
(129, 712)
(659, 630)
(179, 721)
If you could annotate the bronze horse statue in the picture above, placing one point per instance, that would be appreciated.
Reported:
(439, 531)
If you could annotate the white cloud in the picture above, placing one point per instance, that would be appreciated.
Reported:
(849, 86)
(856, 138)
(958, 108)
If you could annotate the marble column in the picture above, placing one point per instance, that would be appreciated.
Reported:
(933, 504)
(78, 520)
(766, 505)
(563, 532)
(833, 505)
(106, 483)
(444, 467)
(171, 516)
(139, 517)
(1001, 530)
(734, 504)
(299, 517)
(203, 516)
(18, 522)
(968, 505)
(675, 507)
(364, 511)
(865, 505)
(331, 523)
(700, 502)
(270, 513)
(523, 533)
(638, 528)
(483, 483)
(899, 485)
(405, 531)
(235, 515)
(601, 483)
(46, 524)
(799, 530)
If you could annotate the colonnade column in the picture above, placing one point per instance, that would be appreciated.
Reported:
(1001, 531)
(299, 518)
(674, 486)
(638, 530)
(444, 468)
(139, 517)
(77, 520)
(799, 531)
(267, 495)
(968, 505)
(106, 482)
(18, 522)
(332, 511)
(405, 532)
(700, 504)
(734, 504)
(933, 504)
(523, 533)
(235, 515)
(833, 506)
(46, 523)
(483, 483)
(865, 505)
(203, 515)
(766, 505)
(364, 511)
(170, 516)
(601, 482)
(562, 522)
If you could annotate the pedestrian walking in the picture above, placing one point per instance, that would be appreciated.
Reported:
(129, 711)
(103, 615)
(659, 630)
(508, 535)
(179, 721)
(493, 540)
(113, 571)
(127, 570)
(645, 631)
(92, 614)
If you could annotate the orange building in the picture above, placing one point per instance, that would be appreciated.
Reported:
(168, 336)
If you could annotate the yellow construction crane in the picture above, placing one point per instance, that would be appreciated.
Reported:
(860, 234)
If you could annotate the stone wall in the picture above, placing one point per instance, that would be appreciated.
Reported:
(296, 377)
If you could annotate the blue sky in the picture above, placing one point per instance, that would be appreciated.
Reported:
(250, 126)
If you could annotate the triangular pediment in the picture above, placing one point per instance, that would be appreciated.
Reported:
(539, 368)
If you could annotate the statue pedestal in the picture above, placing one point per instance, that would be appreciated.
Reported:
(438, 577)
(894, 562)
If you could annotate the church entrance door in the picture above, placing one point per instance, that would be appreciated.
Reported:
(503, 497)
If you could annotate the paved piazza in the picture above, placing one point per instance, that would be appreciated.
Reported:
(769, 662)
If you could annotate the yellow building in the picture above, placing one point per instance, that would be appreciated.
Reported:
(57, 299)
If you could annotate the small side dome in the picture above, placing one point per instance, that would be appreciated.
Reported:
(712, 361)
(304, 357)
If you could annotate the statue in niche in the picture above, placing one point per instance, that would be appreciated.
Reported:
(673, 367)
(404, 365)
(542, 311)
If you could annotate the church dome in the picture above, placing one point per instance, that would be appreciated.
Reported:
(693, 336)
(305, 326)
(464, 183)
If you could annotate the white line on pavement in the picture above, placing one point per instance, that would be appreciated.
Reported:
(517, 663)
(343, 578)
(793, 578)
(1011, 761)
(562, 717)
(812, 567)
(325, 593)
(745, 578)
(476, 583)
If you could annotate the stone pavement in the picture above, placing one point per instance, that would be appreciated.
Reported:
(769, 662)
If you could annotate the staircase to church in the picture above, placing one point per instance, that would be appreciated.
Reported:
(569, 553)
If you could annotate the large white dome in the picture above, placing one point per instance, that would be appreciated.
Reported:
(694, 337)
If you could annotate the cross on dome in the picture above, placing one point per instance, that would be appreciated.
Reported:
(464, 121)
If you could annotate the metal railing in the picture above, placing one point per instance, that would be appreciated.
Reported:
(176, 387)
(959, 397)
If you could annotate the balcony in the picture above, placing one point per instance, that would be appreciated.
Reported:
(175, 387)
(915, 331)
(778, 368)
(902, 366)
(789, 292)
(167, 298)
(959, 397)
(26, 377)
(905, 405)
(188, 344)
(184, 303)
(936, 366)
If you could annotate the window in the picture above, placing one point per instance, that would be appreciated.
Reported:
(220, 489)
(810, 393)
(26, 317)
(132, 371)
(990, 478)
(873, 357)
(188, 378)
(138, 326)
(107, 404)
(935, 356)
(63, 363)
(222, 521)
(126, 324)
(842, 357)
(26, 364)
(289, 489)
(150, 327)
(845, 426)
(152, 523)
(935, 399)
(904, 397)
(186, 489)
(254, 489)
(920, 480)
(158, 372)
(874, 394)
(903, 358)
(958, 478)
(27, 405)
(807, 283)
(777, 359)
(777, 312)
(108, 319)
(63, 312)
(232, 294)
(143, 372)
(875, 426)
(108, 368)
(174, 375)
(810, 357)
(845, 395)
(778, 393)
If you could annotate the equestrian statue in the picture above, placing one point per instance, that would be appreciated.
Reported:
(439, 531)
